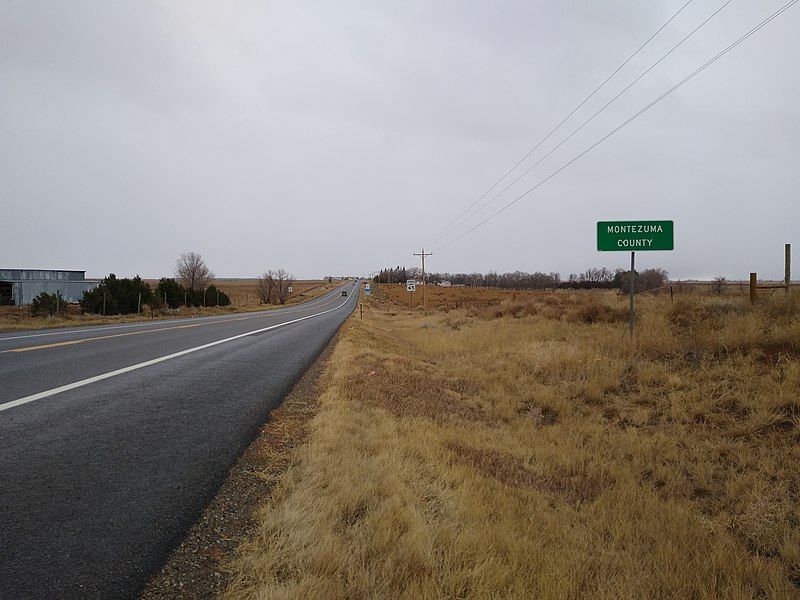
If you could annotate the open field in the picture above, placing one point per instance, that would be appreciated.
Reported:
(241, 292)
(524, 447)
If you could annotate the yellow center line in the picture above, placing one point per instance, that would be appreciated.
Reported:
(115, 335)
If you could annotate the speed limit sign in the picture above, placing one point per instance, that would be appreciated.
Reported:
(411, 285)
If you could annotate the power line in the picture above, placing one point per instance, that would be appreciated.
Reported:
(632, 118)
(564, 120)
(593, 116)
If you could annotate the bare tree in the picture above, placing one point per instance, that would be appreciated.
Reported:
(265, 287)
(192, 271)
(719, 281)
(282, 282)
(272, 287)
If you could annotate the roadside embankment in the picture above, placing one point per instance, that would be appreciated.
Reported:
(526, 448)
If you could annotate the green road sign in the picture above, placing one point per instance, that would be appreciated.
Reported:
(629, 236)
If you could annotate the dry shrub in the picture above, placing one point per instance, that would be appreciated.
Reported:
(697, 310)
(515, 309)
(593, 310)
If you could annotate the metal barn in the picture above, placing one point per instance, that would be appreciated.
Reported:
(20, 286)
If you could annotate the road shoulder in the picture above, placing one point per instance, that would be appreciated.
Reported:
(196, 568)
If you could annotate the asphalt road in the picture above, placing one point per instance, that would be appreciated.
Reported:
(113, 439)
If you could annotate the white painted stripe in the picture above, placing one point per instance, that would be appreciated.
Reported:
(266, 313)
(155, 361)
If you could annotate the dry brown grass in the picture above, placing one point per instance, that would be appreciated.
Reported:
(241, 292)
(527, 449)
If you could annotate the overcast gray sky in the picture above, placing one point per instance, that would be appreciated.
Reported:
(338, 137)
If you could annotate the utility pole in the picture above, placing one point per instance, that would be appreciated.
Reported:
(422, 255)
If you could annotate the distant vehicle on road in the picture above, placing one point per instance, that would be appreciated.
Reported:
(344, 292)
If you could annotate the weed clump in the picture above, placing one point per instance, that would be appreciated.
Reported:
(593, 310)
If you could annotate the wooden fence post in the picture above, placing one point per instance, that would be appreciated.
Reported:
(788, 266)
(753, 281)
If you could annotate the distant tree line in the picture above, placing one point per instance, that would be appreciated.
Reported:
(601, 278)
(397, 275)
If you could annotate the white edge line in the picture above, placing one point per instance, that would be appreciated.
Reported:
(155, 361)
(257, 313)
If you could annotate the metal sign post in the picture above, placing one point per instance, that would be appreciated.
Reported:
(411, 287)
(630, 236)
(631, 309)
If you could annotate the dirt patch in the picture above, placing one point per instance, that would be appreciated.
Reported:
(196, 568)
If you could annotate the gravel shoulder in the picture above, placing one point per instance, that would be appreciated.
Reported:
(196, 568)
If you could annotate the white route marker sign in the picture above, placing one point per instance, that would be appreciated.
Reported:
(411, 285)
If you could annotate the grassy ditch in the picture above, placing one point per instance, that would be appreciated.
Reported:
(525, 448)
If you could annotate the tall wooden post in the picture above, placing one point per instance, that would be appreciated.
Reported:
(422, 255)
(753, 282)
(787, 264)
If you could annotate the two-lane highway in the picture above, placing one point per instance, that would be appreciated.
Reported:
(114, 438)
